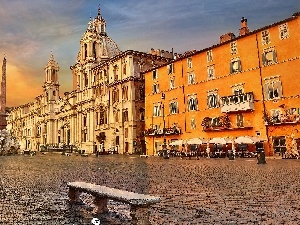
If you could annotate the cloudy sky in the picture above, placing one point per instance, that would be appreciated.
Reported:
(31, 29)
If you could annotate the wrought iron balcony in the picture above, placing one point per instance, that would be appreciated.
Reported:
(160, 132)
(236, 103)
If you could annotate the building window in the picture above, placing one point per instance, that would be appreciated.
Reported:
(211, 72)
(125, 93)
(273, 90)
(126, 132)
(276, 115)
(216, 122)
(116, 115)
(172, 83)
(193, 124)
(142, 115)
(155, 88)
(235, 65)
(170, 68)
(239, 120)
(142, 92)
(84, 121)
(279, 144)
(125, 115)
(189, 62)
(283, 31)
(269, 56)
(212, 100)
(84, 136)
(124, 69)
(86, 80)
(115, 96)
(39, 131)
(173, 107)
(265, 37)
(103, 117)
(191, 79)
(209, 56)
(157, 110)
(238, 91)
(154, 74)
(85, 51)
(192, 103)
(233, 48)
(94, 50)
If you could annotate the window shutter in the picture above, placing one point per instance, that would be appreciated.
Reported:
(157, 89)
(274, 56)
(266, 90)
(240, 65)
(231, 67)
(188, 103)
(217, 101)
(264, 58)
(196, 103)
(279, 88)
(207, 100)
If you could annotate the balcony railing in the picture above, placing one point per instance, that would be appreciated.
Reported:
(236, 103)
(160, 132)
(281, 119)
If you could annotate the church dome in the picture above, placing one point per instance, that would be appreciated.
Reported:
(96, 45)
(110, 48)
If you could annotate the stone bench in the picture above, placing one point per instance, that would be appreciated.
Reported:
(139, 203)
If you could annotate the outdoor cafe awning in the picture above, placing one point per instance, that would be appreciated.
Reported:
(176, 142)
(195, 141)
(222, 141)
(247, 140)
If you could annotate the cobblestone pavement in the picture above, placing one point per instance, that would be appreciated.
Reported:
(207, 191)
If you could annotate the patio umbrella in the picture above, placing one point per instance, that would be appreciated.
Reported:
(176, 142)
(195, 141)
(247, 140)
(222, 141)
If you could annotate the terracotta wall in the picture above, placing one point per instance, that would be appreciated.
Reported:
(251, 78)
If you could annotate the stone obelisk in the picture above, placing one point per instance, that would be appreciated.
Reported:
(3, 115)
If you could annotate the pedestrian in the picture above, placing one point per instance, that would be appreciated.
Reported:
(182, 152)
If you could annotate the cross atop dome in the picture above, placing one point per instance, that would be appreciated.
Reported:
(99, 12)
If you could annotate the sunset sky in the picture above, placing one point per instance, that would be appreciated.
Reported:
(31, 29)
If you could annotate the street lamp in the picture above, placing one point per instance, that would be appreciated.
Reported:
(165, 150)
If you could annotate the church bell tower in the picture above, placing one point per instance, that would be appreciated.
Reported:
(51, 84)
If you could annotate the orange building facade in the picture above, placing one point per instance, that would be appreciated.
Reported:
(246, 86)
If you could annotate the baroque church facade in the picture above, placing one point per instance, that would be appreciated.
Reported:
(105, 109)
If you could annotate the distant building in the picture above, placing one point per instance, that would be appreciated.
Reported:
(105, 109)
(245, 86)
